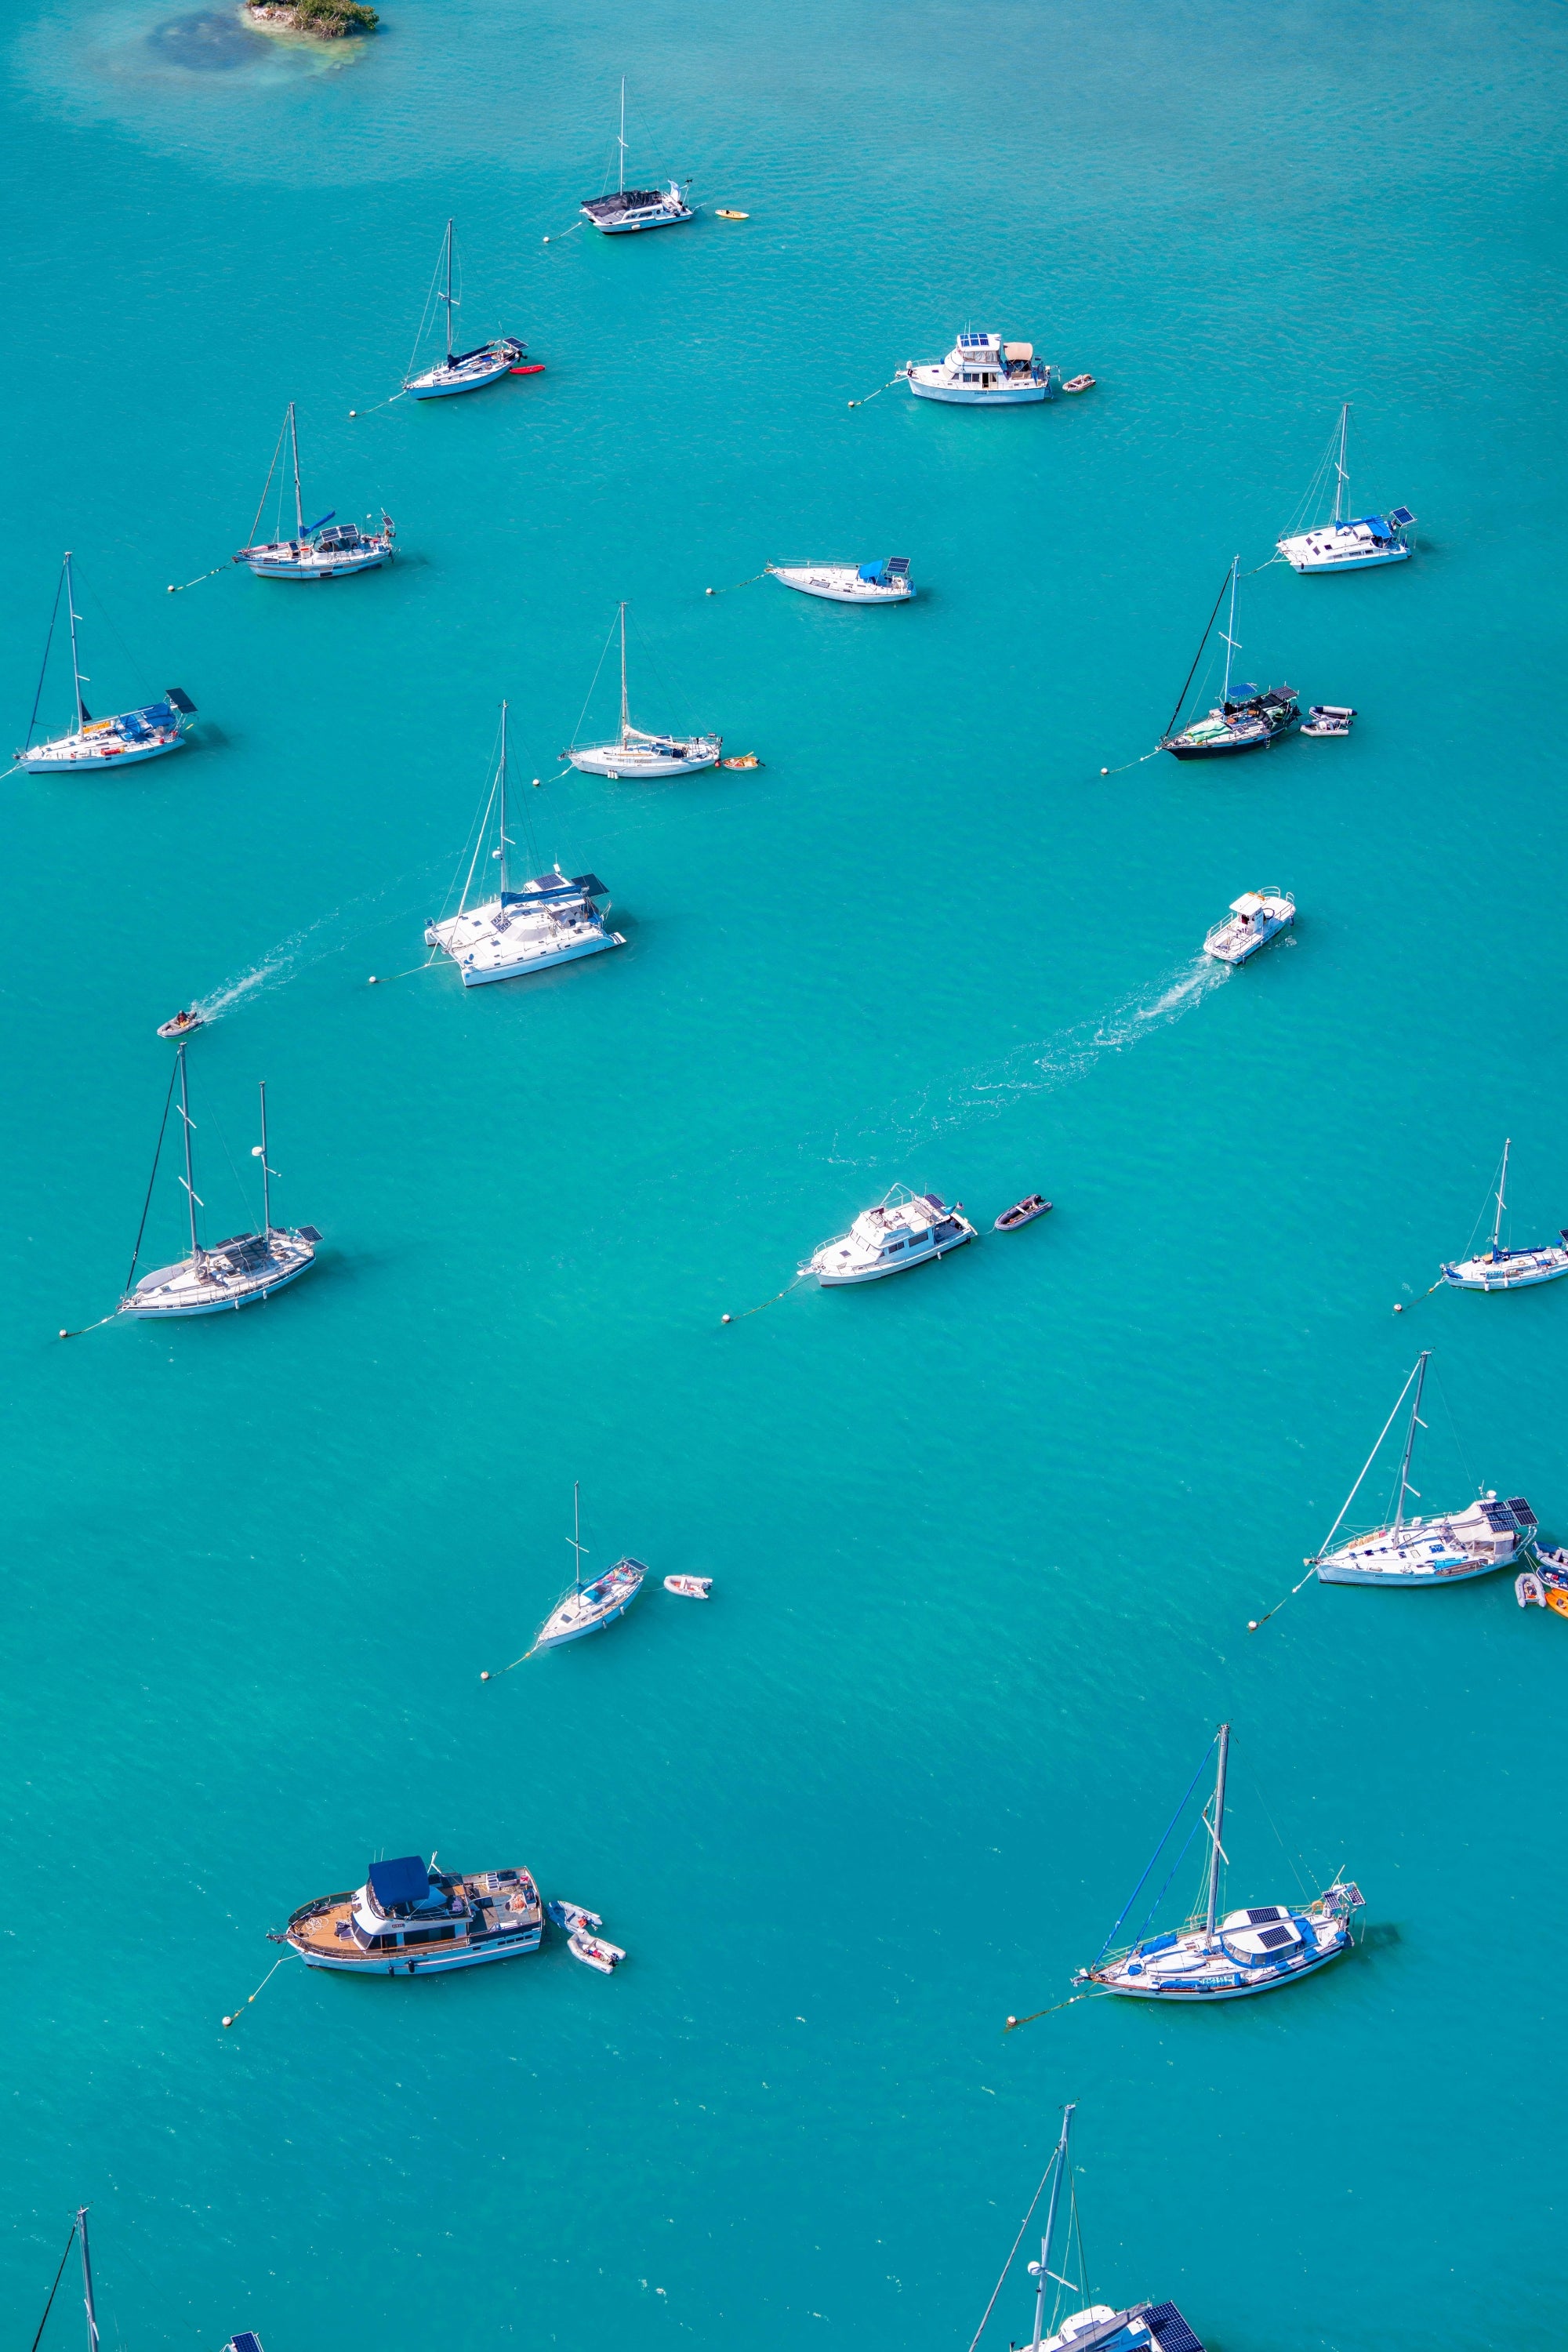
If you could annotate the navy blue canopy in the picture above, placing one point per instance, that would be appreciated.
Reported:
(403, 1881)
(876, 571)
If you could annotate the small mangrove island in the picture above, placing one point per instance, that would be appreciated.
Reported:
(329, 19)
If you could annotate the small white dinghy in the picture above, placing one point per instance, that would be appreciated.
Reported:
(689, 1588)
(636, 754)
(569, 1916)
(1528, 1590)
(594, 1951)
(1254, 920)
(589, 1608)
(1497, 1268)
(884, 581)
(1328, 718)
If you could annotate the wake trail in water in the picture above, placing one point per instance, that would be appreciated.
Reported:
(310, 945)
(991, 1088)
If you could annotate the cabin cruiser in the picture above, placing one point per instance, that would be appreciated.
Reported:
(329, 551)
(552, 919)
(1247, 722)
(983, 372)
(903, 1230)
(412, 1919)
(885, 582)
(1254, 920)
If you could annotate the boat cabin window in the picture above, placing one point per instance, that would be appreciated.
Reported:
(428, 1935)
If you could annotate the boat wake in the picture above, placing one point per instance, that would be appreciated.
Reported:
(1039, 1067)
(311, 944)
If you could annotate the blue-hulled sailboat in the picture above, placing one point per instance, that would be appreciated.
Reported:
(1211, 1958)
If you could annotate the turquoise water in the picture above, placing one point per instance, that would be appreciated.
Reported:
(984, 1543)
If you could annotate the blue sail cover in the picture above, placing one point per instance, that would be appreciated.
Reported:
(876, 571)
(403, 1881)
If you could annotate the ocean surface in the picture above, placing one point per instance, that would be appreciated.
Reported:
(985, 1542)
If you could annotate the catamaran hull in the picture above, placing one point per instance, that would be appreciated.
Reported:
(1271, 1983)
(42, 762)
(1347, 562)
(155, 1310)
(543, 962)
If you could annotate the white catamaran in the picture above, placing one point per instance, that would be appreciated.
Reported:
(1212, 1958)
(634, 754)
(319, 553)
(553, 919)
(234, 1272)
(1509, 1269)
(1441, 1548)
(92, 745)
(589, 1608)
(1339, 545)
(459, 371)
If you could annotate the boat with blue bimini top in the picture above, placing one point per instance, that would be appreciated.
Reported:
(1060, 2275)
(884, 581)
(630, 209)
(238, 1272)
(93, 746)
(411, 1919)
(1346, 545)
(1497, 1268)
(327, 550)
(983, 372)
(904, 1229)
(553, 919)
(594, 1604)
(1432, 1547)
(1250, 719)
(1223, 1957)
(460, 371)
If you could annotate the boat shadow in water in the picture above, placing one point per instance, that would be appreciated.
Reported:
(1383, 1936)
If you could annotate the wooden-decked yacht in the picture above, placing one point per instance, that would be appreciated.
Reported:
(411, 1919)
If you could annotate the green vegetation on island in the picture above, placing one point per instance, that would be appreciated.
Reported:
(331, 18)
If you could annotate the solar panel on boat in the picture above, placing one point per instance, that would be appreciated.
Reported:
(246, 2343)
(1522, 1512)
(1169, 2330)
(1272, 1937)
(1401, 515)
(1258, 1918)
(1498, 1517)
(897, 565)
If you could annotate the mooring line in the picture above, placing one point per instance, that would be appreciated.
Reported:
(1138, 762)
(739, 584)
(379, 404)
(566, 232)
(881, 388)
(265, 1980)
(1254, 1622)
(767, 1302)
(1013, 2022)
(178, 587)
(381, 979)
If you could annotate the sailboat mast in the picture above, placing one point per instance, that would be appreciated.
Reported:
(1230, 629)
(448, 293)
(576, 1532)
(625, 716)
(1501, 1189)
(299, 509)
(503, 800)
(623, 137)
(75, 666)
(1410, 1436)
(266, 1172)
(1051, 2220)
(190, 1173)
(1342, 481)
(87, 2281)
(1216, 1831)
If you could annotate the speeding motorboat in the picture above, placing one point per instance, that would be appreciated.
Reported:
(904, 1229)
(411, 1919)
(885, 582)
(182, 1024)
(1343, 545)
(983, 372)
(1255, 917)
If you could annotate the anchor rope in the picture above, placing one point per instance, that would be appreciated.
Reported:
(881, 388)
(265, 1980)
(176, 587)
(739, 584)
(1013, 2022)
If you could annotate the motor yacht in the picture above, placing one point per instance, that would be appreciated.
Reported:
(1255, 917)
(983, 372)
(885, 582)
(904, 1229)
(411, 1919)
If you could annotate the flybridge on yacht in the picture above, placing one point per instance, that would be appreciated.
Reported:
(885, 582)
(234, 1272)
(636, 755)
(318, 553)
(93, 744)
(904, 1229)
(1340, 545)
(1509, 1269)
(412, 1919)
(1439, 1548)
(634, 209)
(460, 371)
(1216, 1959)
(552, 918)
(983, 372)
(1247, 721)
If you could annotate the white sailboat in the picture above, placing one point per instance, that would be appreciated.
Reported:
(1438, 1548)
(589, 1608)
(1341, 545)
(553, 919)
(634, 754)
(329, 549)
(885, 580)
(92, 745)
(638, 208)
(234, 1273)
(1213, 1957)
(1509, 1269)
(461, 371)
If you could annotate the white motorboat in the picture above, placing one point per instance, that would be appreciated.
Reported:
(885, 582)
(689, 1588)
(460, 371)
(92, 745)
(1509, 1269)
(1255, 917)
(411, 1919)
(638, 208)
(234, 1273)
(1250, 719)
(589, 1608)
(328, 550)
(983, 372)
(636, 755)
(1061, 2272)
(1438, 1548)
(552, 918)
(1211, 1958)
(904, 1229)
(1341, 545)
(594, 1951)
